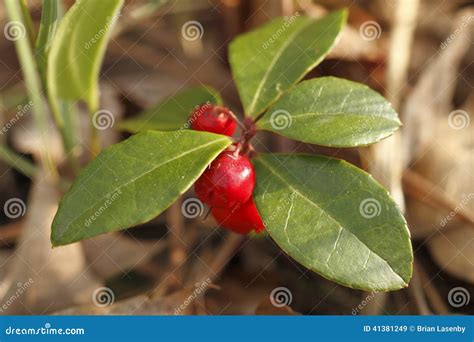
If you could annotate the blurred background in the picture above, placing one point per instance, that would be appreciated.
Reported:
(417, 53)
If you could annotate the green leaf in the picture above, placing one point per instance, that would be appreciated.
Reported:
(270, 59)
(334, 219)
(133, 181)
(331, 111)
(172, 113)
(78, 49)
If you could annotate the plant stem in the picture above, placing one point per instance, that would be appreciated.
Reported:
(49, 17)
(33, 85)
(17, 162)
(61, 116)
(27, 22)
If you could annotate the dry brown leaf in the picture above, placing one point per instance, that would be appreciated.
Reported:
(54, 278)
(454, 252)
(140, 305)
(113, 253)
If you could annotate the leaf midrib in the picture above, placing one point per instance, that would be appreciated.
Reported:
(272, 170)
(306, 114)
(140, 176)
(273, 63)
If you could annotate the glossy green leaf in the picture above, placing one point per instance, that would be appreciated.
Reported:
(78, 49)
(133, 181)
(334, 219)
(331, 111)
(172, 113)
(270, 59)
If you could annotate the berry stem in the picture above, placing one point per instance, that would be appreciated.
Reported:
(241, 125)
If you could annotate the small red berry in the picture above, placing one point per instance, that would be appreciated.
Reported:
(241, 219)
(214, 119)
(229, 180)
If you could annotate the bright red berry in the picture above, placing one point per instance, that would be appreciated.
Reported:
(229, 180)
(214, 119)
(241, 219)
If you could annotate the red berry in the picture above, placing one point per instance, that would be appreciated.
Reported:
(241, 219)
(229, 180)
(214, 119)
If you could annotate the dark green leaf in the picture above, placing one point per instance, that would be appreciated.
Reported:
(268, 60)
(331, 111)
(335, 220)
(78, 49)
(172, 113)
(133, 181)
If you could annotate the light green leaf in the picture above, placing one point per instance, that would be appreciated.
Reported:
(331, 111)
(133, 181)
(270, 59)
(172, 113)
(78, 49)
(334, 219)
